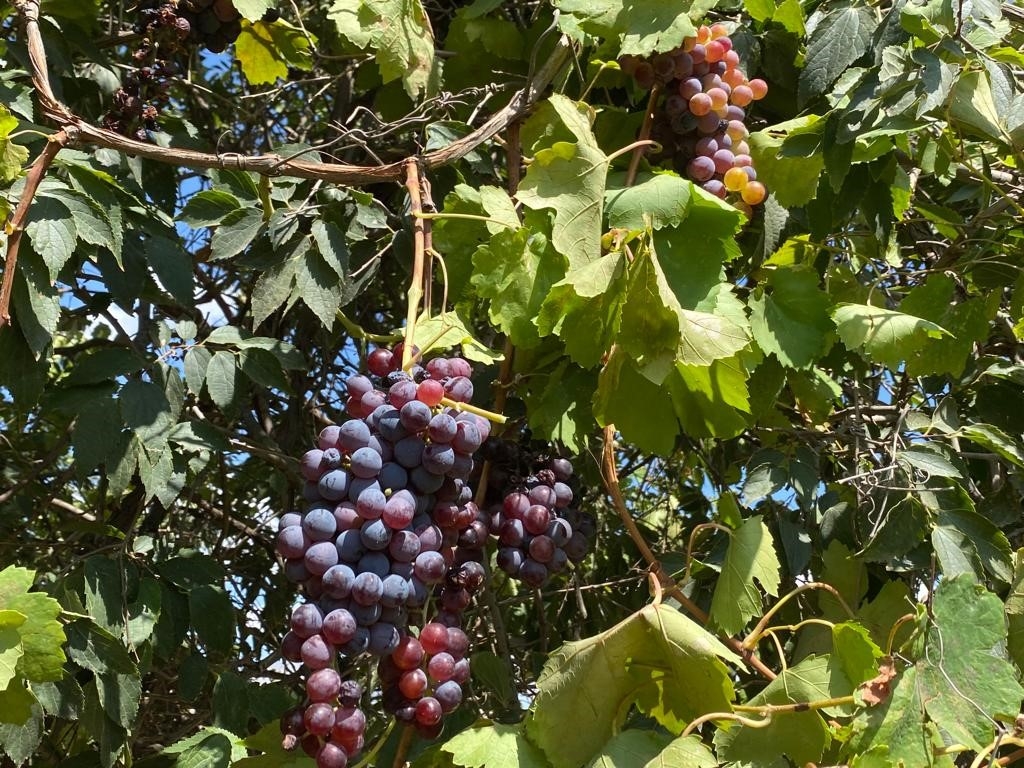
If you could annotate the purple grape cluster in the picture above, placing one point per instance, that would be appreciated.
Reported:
(538, 531)
(390, 523)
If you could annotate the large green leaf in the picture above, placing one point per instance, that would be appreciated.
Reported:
(751, 557)
(886, 336)
(41, 635)
(494, 746)
(569, 177)
(638, 26)
(266, 50)
(792, 320)
(840, 38)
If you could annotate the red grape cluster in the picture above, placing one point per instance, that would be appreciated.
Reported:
(390, 523)
(701, 123)
(215, 23)
(534, 526)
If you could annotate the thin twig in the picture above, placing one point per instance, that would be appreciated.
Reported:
(17, 226)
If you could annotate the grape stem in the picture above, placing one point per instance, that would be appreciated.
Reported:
(369, 756)
(464, 216)
(635, 146)
(645, 132)
(403, 746)
(497, 418)
(415, 293)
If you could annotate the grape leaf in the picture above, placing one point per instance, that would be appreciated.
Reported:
(12, 156)
(253, 10)
(267, 49)
(626, 398)
(793, 179)
(658, 201)
(1015, 611)
(684, 752)
(495, 746)
(792, 320)
(515, 271)
(51, 228)
(41, 635)
(885, 335)
(629, 748)
(639, 26)
(569, 177)
(751, 556)
(11, 648)
(838, 40)
(711, 400)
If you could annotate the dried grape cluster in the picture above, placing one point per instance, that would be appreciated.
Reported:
(167, 31)
(390, 529)
(701, 123)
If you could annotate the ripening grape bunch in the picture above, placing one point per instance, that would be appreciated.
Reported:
(390, 528)
(701, 125)
(215, 23)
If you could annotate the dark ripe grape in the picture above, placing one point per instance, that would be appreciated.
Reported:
(448, 695)
(383, 639)
(701, 168)
(371, 401)
(365, 615)
(563, 495)
(415, 416)
(430, 392)
(409, 451)
(379, 361)
(458, 642)
(675, 105)
(334, 485)
(455, 600)
(430, 537)
(474, 536)
(393, 477)
(318, 523)
(398, 616)
(332, 459)
(536, 519)
(628, 63)
(439, 368)
(374, 562)
(306, 620)
(424, 481)
(288, 519)
(408, 653)
(292, 722)
(459, 389)
(353, 435)
(328, 438)
(396, 362)
(715, 187)
(310, 742)
(462, 671)
(430, 567)
(441, 428)
(405, 570)
(319, 717)
(510, 559)
(515, 505)
(317, 653)
(664, 67)
(577, 547)
(312, 462)
(698, 55)
(370, 503)
(394, 376)
(462, 467)
(354, 407)
(644, 75)
(541, 548)
(405, 713)
(366, 463)
(311, 492)
(434, 638)
(723, 160)
(349, 722)
(359, 643)
(367, 588)
(401, 393)
(351, 692)
(467, 513)
(337, 581)
(543, 495)
(511, 533)
(687, 89)
(482, 424)
(331, 756)
(375, 535)
(395, 591)
(292, 542)
(438, 458)
(683, 66)
(350, 545)
(428, 711)
(418, 593)
(399, 510)
(320, 557)
(460, 367)
(404, 547)
(467, 437)
(709, 124)
(440, 667)
(559, 531)
(295, 571)
(559, 561)
(323, 685)
(413, 683)
(706, 146)
(291, 646)
(534, 574)
(358, 385)
(313, 587)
